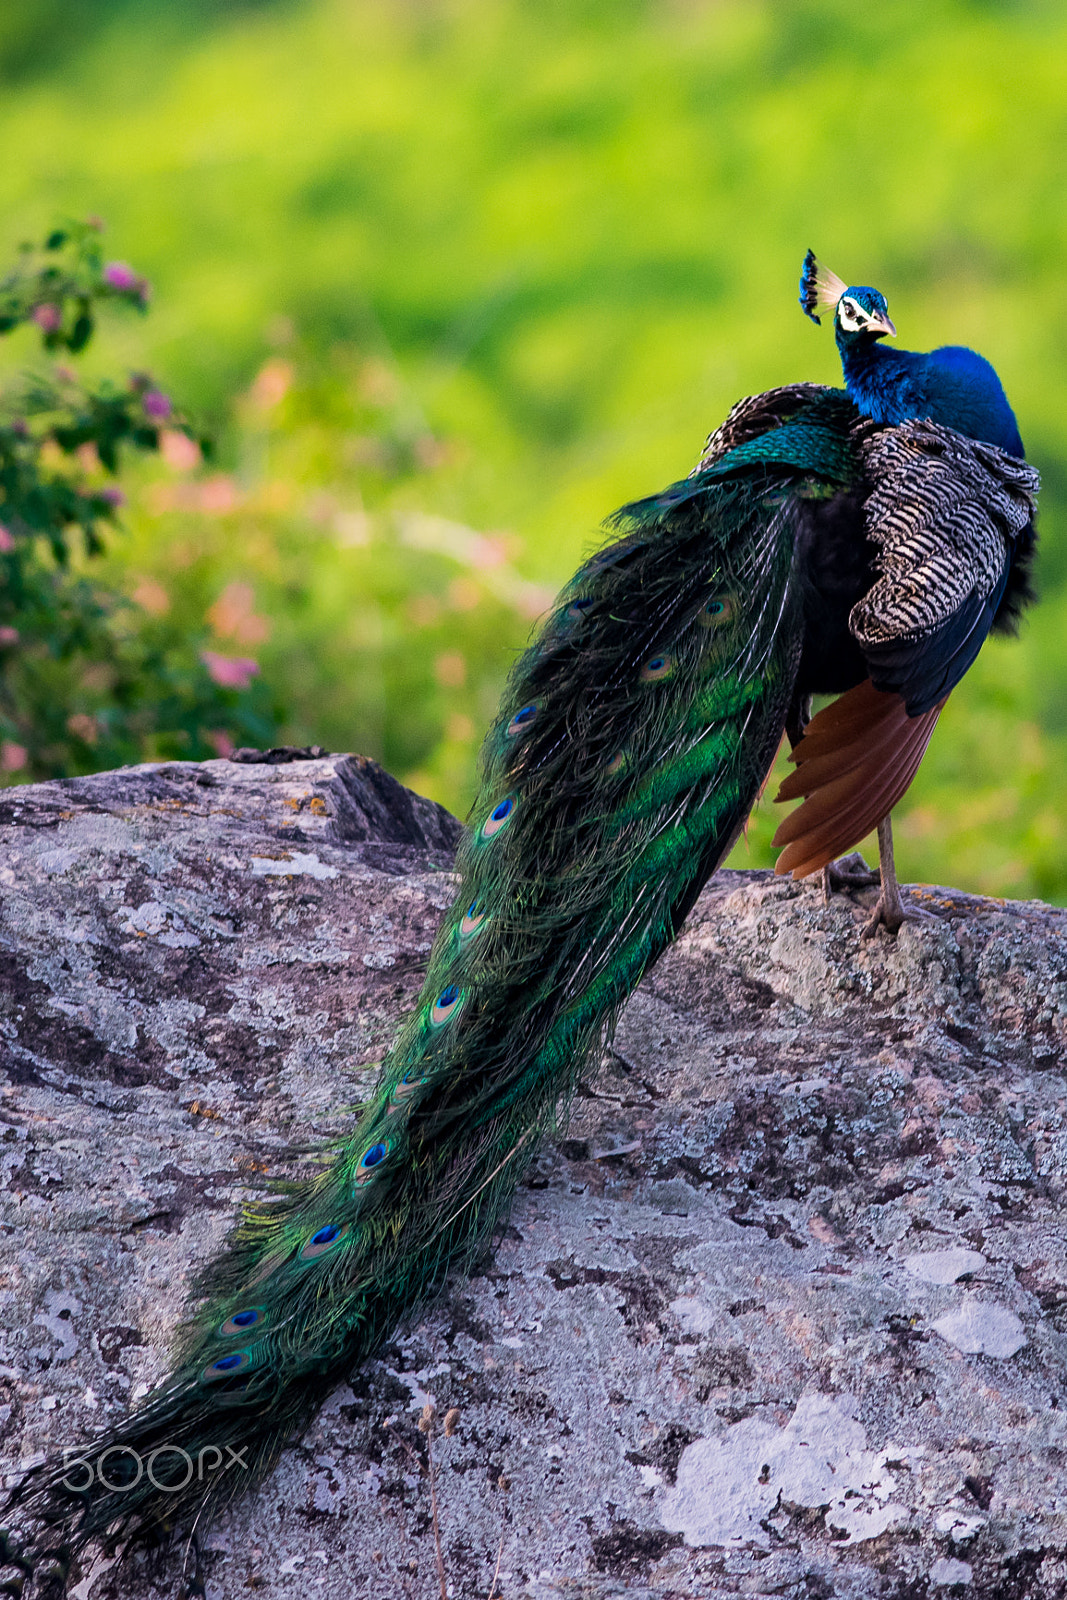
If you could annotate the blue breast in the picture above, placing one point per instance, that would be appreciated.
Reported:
(953, 385)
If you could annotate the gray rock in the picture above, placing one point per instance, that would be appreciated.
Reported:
(722, 1347)
(947, 1570)
(979, 1328)
(944, 1266)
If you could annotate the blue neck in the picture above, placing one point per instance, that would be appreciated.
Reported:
(952, 385)
(875, 378)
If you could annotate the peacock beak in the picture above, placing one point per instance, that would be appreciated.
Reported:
(880, 324)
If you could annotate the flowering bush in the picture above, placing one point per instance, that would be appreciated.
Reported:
(88, 677)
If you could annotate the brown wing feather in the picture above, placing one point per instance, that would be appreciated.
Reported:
(855, 761)
(826, 759)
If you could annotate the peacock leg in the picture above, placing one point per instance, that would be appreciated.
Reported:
(890, 911)
(851, 871)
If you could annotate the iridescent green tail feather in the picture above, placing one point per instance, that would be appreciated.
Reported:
(632, 740)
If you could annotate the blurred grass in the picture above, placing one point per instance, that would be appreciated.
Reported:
(508, 262)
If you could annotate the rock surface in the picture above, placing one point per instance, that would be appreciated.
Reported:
(783, 1312)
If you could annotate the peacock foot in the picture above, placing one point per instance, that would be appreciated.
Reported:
(891, 913)
(848, 872)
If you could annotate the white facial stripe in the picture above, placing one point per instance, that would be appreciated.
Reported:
(851, 316)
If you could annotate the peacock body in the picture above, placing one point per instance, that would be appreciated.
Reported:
(815, 548)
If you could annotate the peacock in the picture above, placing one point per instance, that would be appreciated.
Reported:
(856, 542)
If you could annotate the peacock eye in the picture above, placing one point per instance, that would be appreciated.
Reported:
(521, 720)
(225, 1365)
(713, 613)
(447, 1004)
(498, 818)
(241, 1320)
(472, 919)
(323, 1240)
(402, 1091)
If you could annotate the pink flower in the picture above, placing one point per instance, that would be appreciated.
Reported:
(152, 596)
(13, 757)
(218, 495)
(83, 727)
(117, 275)
(221, 742)
(180, 452)
(114, 497)
(7, 541)
(272, 384)
(47, 317)
(230, 672)
(8, 636)
(233, 616)
(157, 406)
(450, 669)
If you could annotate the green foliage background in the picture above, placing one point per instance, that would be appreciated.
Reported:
(452, 278)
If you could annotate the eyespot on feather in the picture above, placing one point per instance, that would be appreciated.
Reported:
(446, 1005)
(522, 719)
(325, 1239)
(369, 1161)
(617, 762)
(471, 921)
(498, 818)
(578, 608)
(402, 1092)
(226, 1366)
(241, 1321)
(657, 668)
(713, 613)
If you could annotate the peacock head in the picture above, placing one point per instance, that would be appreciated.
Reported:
(860, 313)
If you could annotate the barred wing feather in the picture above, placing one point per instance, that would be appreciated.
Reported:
(945, 513)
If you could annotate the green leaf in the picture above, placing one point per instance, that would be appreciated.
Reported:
(81, 333)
